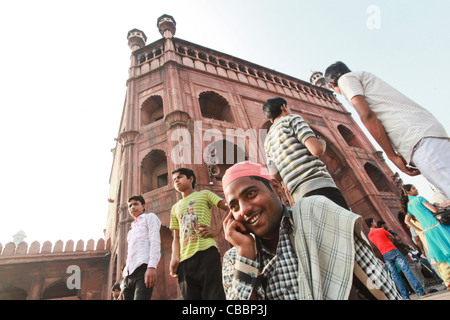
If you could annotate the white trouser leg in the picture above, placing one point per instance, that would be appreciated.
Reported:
(432, 158)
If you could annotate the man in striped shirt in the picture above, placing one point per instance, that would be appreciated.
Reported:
(409, 134)
(195, 258)
(293, 151)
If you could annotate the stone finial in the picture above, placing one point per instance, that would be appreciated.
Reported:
(167, 26)
(35, 248)
(69, 246)
(9, 249)
(80, 246)
(22, 248)
(46, 247)
(108, 244)
(136, 39)
(100, 245)
(58, 248)
(90, 246)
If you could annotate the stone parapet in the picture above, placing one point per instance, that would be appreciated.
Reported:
(70, 247)
(191, 55)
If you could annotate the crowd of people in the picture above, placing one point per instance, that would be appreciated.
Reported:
(316, 249)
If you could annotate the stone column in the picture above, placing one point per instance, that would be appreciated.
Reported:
(180, 141)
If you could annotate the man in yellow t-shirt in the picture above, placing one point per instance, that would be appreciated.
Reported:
(195, 259)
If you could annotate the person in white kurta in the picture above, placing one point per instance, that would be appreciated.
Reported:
(409, 134)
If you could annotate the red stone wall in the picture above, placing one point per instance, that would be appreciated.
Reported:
(47, 272)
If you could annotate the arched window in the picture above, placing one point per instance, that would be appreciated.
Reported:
(59, 290)
(378, 178)
(154, 171)
(152, 110)
(349, 136)
(214, 106)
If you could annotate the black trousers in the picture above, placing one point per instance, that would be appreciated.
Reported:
(331, 193)
(134, 285)
(200, 276)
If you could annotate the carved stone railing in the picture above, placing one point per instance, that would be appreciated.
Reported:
(149, 58)
(22, 249)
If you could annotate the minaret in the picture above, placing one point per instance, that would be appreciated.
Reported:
(167, 26)
(317, 79)
(128, 131)
(177, 116)
(136, 39)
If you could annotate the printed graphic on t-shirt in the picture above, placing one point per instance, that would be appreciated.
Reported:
(189, 224)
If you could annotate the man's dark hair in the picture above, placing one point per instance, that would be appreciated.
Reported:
(272, 107)
(380, 223)
(263, 180)
(335, 71)
(138, 198)
(369, 222)
(186, 172)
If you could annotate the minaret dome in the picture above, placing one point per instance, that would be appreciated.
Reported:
(317, 79)
(167, 26)
(136, 39)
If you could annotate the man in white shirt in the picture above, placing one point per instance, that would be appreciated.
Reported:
(144, 252)
(410, 135)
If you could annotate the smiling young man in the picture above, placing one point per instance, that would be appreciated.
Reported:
(144, 252)
(195, 258)
(307, 252)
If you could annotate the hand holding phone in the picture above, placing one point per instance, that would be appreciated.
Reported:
(239, 237)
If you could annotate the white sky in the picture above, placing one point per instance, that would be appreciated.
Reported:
(64, 66)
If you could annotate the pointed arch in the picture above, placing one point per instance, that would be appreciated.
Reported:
(378, 177)
(349, 136)
(152, 110)
(214, 106)
(154, 172)
(59, 290)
